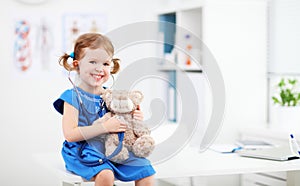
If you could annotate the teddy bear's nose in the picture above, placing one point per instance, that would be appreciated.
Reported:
(126, 103)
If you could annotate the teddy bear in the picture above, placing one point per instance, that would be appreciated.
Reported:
(137, 139)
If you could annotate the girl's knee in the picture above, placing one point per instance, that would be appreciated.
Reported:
(105, 176)
(148, 181)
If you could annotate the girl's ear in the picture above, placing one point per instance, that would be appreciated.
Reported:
(75, 64)
(136, 97)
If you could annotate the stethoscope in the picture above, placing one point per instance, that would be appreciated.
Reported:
(84, 110)
(84, 143)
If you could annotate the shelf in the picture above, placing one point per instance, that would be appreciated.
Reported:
(180, 29)
(166, 68)
(193, 70)
(276, 74)
(182, 7)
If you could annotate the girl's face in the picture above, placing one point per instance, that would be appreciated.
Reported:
(94, 69)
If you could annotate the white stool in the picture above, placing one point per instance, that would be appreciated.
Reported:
(54, 163)
(71, 179)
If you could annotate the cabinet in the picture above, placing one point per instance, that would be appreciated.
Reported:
(264, 179)
(276, 137)
(180, 31)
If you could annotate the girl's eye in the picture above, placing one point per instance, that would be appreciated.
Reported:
(93, 62)
(106, 64)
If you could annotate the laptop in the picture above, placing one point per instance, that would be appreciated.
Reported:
(281, 153)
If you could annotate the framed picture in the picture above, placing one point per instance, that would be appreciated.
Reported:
(33, 43)
(75, 24)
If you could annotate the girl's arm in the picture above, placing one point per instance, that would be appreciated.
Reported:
(72, 132)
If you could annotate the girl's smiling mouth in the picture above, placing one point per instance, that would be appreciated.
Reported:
(97, 77)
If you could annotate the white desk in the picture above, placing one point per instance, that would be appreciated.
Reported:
(190, 163)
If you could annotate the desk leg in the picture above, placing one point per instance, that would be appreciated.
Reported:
(293, 178)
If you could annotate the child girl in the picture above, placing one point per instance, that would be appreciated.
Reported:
(82, 107)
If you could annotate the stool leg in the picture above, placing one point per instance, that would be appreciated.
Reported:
(70, 184)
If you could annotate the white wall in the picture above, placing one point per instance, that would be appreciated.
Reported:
(30, 125)
(235, 32)
(284, 37)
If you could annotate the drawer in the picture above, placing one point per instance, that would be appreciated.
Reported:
(264, 179)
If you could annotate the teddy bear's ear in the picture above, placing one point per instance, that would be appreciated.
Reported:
(136, 97)
(107, 95)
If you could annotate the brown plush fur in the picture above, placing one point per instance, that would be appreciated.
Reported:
(137, 137)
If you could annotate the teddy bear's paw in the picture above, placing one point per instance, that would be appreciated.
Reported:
(143, 146)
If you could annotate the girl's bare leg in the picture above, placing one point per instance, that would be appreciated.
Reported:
(148, 181)
(104, 178)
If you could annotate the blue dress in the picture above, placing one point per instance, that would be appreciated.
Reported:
(134, 168)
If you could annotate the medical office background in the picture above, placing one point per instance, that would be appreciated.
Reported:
(242, 35)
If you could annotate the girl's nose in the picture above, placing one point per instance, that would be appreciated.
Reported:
(99, 68)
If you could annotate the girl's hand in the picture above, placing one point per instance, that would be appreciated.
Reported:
(113, 124)
(104, 118)
(138, 114)
(107, 116)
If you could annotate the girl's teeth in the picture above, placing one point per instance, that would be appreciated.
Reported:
(97, 77)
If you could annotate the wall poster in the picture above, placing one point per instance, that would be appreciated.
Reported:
(33, 44)
(75, 24)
